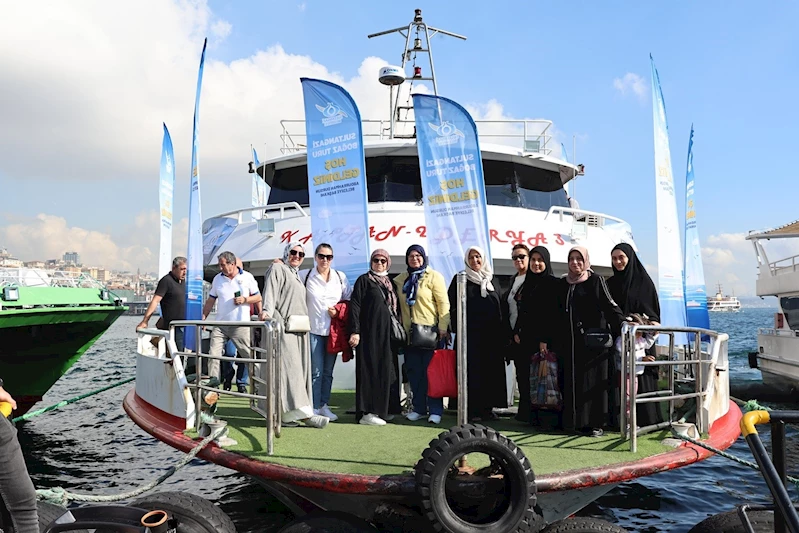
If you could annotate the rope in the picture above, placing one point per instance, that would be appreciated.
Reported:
(61, 404)
(729, 456)
(59, 496)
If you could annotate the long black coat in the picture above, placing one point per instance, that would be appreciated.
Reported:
(589, 384)
(485, 336)
(376, 365)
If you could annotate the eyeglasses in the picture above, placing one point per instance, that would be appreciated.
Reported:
(324, 256)
(379, 260)
(519, 257)
(414, 256)
(296, 252)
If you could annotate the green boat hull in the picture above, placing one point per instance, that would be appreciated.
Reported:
(45, 333)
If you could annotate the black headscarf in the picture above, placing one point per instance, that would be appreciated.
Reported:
(632, 288)
(532, 280)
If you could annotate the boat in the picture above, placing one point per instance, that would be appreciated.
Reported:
(403, 473)
(777, 354)
(48, 319)
(722, 303)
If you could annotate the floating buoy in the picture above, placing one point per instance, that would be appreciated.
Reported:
(516, 513)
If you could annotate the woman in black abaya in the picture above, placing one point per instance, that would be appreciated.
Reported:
(634, 292)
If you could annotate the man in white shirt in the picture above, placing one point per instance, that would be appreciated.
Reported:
(233, 290)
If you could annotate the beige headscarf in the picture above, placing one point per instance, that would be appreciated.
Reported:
(482, 278)
(571, 279)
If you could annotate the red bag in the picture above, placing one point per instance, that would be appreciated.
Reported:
(442, 378)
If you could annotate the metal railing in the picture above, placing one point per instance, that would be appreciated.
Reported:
(535, 130)
(592, 218)
(460, 339)
(776, 269)
(240, 214)
(691, 359)
(38, 277)
(268, 375)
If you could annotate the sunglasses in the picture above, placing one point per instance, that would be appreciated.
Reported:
(379, 260)
(296, 252)
(519, 257)
(324, 256)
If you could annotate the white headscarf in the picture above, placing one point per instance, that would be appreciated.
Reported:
(482, 278)
(286, 253)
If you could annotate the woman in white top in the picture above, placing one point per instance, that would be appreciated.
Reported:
(511, 305)
(325, 287)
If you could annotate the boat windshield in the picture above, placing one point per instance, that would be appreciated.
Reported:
(790, 308)
(396, 179)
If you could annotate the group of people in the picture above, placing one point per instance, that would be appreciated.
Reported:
(574, 319)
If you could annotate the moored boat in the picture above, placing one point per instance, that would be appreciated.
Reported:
(48, 319)
(778, 347)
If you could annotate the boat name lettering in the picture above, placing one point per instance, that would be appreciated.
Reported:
(507, 237)
(334, 140)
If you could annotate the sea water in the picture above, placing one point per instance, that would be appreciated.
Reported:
(92, 447)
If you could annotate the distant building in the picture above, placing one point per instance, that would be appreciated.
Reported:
(103, 275)
(72, 258)
(10, 262)
(34, 264)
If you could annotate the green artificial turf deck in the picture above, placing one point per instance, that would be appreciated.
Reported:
(346, 447)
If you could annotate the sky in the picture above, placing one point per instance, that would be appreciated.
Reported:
(86, 86)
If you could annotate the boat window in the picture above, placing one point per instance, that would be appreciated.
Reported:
(790, 308)
(396, 179)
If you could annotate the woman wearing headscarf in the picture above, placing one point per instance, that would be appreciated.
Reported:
(425, 310)
(634, 291)
(534, 326)
(284, 297)
(484, 327)
(586, 310)
(373, 301)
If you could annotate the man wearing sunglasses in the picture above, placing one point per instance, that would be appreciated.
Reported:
(233, 291)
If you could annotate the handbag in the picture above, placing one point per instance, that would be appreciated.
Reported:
(442, 379)
(545, 394)
(398, 335)
(596, 338)
(298, 324)
(424, 337)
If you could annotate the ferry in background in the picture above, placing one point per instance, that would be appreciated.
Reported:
(777, 354)
(719, 302)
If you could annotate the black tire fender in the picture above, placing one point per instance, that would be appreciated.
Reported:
(432, 471)
(583, 524)
(328, 522)
(730, 522)
(49, 513)
(193, 513)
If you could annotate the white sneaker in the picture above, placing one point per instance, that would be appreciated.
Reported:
(434, 419)
(325, 411)
(372, 420)
(316, 421)
(413, 416)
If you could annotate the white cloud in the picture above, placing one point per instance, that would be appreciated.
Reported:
(302, 6)
(631, 83)
(220, 30)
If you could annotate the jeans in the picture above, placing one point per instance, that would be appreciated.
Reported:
(416, 362)
(322, 365)
(242, 375)
(16, 487)
(179, 339)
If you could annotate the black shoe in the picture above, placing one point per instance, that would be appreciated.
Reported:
(226, 385)
(243, 389)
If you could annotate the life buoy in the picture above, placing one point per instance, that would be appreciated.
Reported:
(518, 511)
(583, 525)
(730, 522)
(193, 513)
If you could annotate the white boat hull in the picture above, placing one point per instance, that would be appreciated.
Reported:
(778, 359)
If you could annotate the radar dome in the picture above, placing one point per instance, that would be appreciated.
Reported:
(391, 75)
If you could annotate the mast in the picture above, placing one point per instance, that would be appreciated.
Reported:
(422, 35)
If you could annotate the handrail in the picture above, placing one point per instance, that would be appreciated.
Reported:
(37, 277)
(628, 420)
(271, 333)
(265, 208)
(576, 211)
(774, 268)
(525, 129)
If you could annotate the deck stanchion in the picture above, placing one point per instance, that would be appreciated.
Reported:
(269, 364)
(198, 366)
(633, 418)
(461, 350)
(623, 392)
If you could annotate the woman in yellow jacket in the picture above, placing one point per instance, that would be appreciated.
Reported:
(425, 315)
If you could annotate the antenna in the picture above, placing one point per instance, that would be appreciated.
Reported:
(421, 45)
